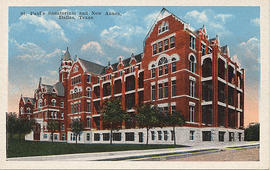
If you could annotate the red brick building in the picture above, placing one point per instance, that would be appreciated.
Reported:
(180, 69)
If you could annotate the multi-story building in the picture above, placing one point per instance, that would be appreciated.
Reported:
(180, 69)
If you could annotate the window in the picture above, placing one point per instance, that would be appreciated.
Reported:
(203, 49)
(88, 92)
(192, 42)
(88, 78)
(192, 63)
(160, 70)
(28, 110)
(172, 42)
(98, 79)
(132, 69)
(160, 91)
(53, 102)
(239, 136)
(191, 135)
(88, 136)
(221, 136)
(163, 27)
(209, 50)
(166, 69)
(174, 88)
(166, 110)
(231, 136)
(154, 49)
(109, 77)
(173, 65)
(159, 135)
(140, 136)
(116, 136)
(206, 135)
(74, 137)
(166, 44)
(160, 46)
(76, 80)
(166, 89)
(165, 135)
(153, 71)
(172, 135)
(62, 126)
(63, 137)
(62, 104)
(96, 137)
(192, 88)
(153, 92)
(129, 136)
(88, 122)
(62, 115)
(71, 136)
(106, 136)
(75, 69)
(88, 107)
(191, 114)
(153, 135)
(39, 103)
(55, 136)
(120, 73)
(173, 109)
(45, 136)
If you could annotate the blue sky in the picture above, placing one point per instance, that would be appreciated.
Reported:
(37, 42)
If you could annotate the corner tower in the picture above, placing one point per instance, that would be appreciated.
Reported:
(66, 63)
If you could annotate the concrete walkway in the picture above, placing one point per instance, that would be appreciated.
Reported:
(129, 154)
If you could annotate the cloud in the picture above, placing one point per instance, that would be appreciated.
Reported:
(150, 19)
(255, 21)
(201, 17)
(44, 25)
(251, 48)
(31, 51)
(223, 17)
(93, 45)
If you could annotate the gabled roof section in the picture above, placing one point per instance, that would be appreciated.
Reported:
(126, 62)
(163, 14)
(26, 99)
(59, 88)
(92, 67)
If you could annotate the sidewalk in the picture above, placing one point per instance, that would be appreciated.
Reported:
(133, 153)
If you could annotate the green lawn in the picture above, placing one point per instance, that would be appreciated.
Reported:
(18, 148)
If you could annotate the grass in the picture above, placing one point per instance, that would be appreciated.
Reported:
(16, 148)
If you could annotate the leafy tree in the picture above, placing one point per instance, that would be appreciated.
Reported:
(175, 119)
(11, 127)
(252, 133)
(24, 126)
(113, 114)
(76, 126)
(53, 126)
(149, 117)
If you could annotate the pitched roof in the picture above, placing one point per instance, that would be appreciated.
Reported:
(66, 56)
(59, 88)
(224, 49)
(92, 67)
(25, 100)
(127, 61)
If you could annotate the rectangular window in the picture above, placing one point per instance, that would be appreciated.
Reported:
(63, 137)
(172, 135)
(129, 136)
(153, 71)
(153, 92)
(88, 136)
(153, 135)
(154, 49)
(191, 114)
(88, 106)
(96, 137)
(231, 136)
(106, 136)
(192, 88)
(140, 136)
(172, 42)
(174, 88)
(191, 135)
(173, 109)
(166, 44)
(74, 137)
(62, 104)
(206, 135)
(116, 136)
(62, 115)
(45, 136)
(159, 135)
(160, 91)
(88, 122)
(88, 78)
(132, 69)
(160, 70)
(71, 136)
(160, 46)
(192, 42)
(166, 69)
(63, 127)
(98, 79)
(173, 66)
(165, 135)
(221, 136)
(166, 89)
(55, 137)
(203, 49)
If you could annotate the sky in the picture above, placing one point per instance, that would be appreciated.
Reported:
(37, 42)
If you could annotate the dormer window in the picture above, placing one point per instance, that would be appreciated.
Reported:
(163, 27)
(75, 69)
(88, 78)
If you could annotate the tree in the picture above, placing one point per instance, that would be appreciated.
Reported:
(175, 119)
(53, 126)
(113, 114)
(252, 133)
(24, 126)
(11, 120)
(149, 117)
(76, 126)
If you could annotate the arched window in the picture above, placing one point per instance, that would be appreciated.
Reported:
(163, 27)
(88, 92)
(192, 61)
(39, 103)
(173, 64)
(161, 62)
(28, 110)
(53, 102)
(22, 111)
